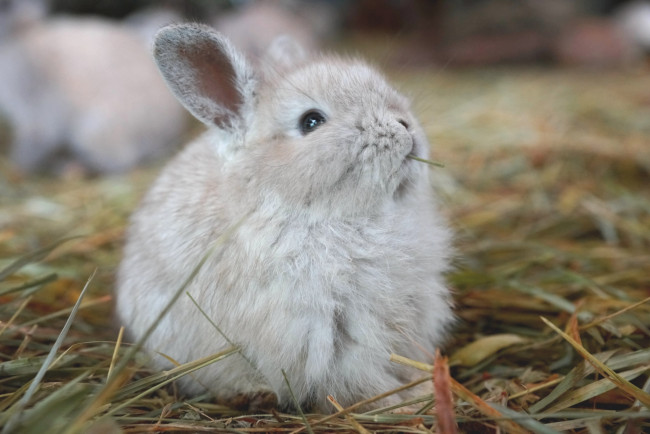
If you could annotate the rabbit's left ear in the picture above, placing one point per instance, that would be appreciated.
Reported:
(207, 74)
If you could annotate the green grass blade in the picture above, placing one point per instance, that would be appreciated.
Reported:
(160, 380)
(424, 160)
(297, 404)
(571, 379)
(31, 257)
(619, 381)
(53, 412)
(594, 389)
(31, 284)
(16, 410)
(524, 420)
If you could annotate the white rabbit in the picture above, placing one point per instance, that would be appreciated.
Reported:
(147, 21)
(339, 256)
(86, 87)
(16, 15)
(254, 25)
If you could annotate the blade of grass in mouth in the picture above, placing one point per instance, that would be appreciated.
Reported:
(423, 160)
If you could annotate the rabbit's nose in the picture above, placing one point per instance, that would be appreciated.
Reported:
(403, 123)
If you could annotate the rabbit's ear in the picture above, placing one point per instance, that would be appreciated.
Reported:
(206, 73)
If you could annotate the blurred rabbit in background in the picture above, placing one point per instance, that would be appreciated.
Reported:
(147, 21)
(81, 89)
(253, 25)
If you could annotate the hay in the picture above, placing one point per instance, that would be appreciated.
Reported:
(546, 182)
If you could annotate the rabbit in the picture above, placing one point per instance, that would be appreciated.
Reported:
(323, 245)
(633, 20)
(147, 21)
(85, 89)
(253, 25)
(16, 15)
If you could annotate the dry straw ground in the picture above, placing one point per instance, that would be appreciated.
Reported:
(547, 182)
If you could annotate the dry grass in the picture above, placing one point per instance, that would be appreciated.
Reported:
(547, 181)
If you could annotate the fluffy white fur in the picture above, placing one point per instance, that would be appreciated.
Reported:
(340, 256)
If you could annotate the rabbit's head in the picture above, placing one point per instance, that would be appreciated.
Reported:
(323, 134)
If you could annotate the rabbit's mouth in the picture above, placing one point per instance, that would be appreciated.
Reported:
(404, 174)
(410, 151)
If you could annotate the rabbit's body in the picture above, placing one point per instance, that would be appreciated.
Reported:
(337, 252)
(85, 86)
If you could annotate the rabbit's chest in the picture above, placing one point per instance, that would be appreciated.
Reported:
(342, 267)
(348, 287)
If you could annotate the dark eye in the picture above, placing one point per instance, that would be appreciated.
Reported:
(310, 121)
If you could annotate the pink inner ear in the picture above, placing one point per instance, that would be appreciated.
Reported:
(216, 79)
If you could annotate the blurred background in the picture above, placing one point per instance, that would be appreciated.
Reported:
(83, 68)
(463, 32)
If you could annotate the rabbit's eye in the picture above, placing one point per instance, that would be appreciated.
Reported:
(310, 121)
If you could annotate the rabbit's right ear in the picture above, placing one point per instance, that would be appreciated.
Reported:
(206, 73)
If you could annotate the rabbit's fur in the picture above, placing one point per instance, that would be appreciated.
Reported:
(338, 258)
(85, 87)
